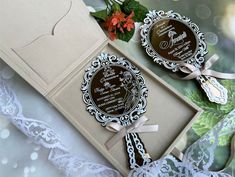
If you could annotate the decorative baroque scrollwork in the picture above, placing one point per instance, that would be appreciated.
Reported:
(150, 20)
(106, 59)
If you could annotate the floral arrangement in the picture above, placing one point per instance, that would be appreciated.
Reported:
(118, 18)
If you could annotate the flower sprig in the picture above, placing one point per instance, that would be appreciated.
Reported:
(119, 18)
(119, 22)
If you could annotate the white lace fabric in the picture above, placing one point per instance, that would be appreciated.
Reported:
(197, 160)
(43, 135)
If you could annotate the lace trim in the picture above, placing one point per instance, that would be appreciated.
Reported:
(198, 157)
(44, 135)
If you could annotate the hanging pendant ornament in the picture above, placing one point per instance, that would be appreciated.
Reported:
(173, 40)
(115, 94)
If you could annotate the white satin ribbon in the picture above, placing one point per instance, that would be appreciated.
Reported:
(193, 72)
(121, 131)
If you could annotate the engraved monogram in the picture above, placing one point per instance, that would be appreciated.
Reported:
(173, 40)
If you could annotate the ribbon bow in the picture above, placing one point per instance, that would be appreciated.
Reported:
(137, 127)
(193, 72)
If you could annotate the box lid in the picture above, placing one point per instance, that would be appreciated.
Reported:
(45, 40)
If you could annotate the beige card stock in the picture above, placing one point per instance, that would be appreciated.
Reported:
(50, 44)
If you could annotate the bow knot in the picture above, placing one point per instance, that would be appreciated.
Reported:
(193, 72)
(121, 131)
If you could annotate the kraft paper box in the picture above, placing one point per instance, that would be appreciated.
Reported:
(50, 44)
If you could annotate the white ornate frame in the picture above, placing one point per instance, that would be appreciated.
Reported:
(151, 19)
(106, 59)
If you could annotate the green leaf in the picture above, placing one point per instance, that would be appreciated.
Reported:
(116, 7)
(139, 10)
(126, 36)
(100, 14)
(213, 112)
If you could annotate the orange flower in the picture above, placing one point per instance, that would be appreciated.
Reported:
(108, 25)
(131, 15)
(117, 17)
(118, 21)
(129, 25)
(129, 22)
(112, 35)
